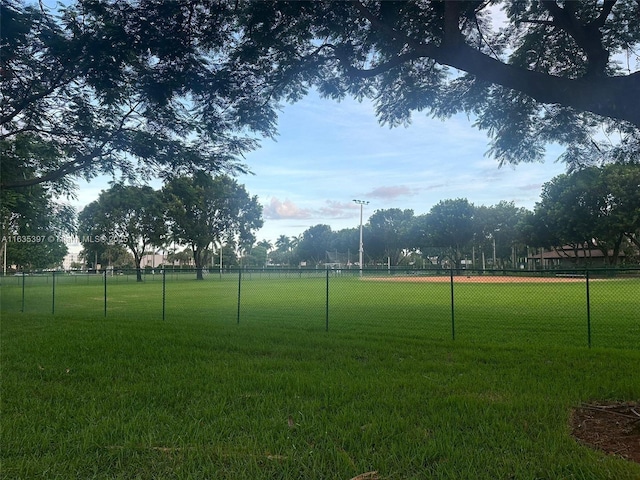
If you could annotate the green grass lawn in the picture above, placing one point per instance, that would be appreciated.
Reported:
(518, 313)
(386, 389)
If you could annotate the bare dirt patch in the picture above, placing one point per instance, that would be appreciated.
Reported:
(613, 428)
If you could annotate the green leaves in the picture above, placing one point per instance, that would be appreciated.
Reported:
(201, 209)
(546, 75)
(148, 88)
(123, 216)
(132, 90)
(593, 208)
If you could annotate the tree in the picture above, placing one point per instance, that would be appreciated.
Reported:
(202, 210)
(30, 213)
(112, 255)
(449, 224)
(497, 230)
(125, 88)
(594, 208)
(315, 243)
(553, 72)
(623, 200)
(282, 254)
(183, 257)
(131, 85)
(33, 228)
(128, 215)
(266, 244)
(229, 255)
(283, 243)
(387, 232)
(257, 257)
(347, 241)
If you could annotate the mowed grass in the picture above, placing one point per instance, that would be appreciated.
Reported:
(386, 389)
(544, 313)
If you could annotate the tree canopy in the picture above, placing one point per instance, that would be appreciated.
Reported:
(595, 208)
(33, 228)
(31, 212)
(564, 72)
(146, 88)
(126, 215)
(201, 210)
(387, 233)
(132, 89)
(450, 224)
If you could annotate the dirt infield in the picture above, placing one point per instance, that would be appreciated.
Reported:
(478, 279)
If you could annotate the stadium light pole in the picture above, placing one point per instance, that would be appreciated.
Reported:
(362, 203)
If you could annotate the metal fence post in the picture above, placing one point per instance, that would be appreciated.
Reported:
(327, 304)
(239, 287)
(588, 309)
(453, 322)
(22, 307)
(53, 294)
(105, 292)
(164, 281)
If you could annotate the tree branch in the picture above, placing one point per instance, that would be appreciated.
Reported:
(452, 34)
(587, 36)
(18, 106)
(537, 22)
(606, 96)
(378, 69)
(604, 13)
(77, 164)
(52, 176)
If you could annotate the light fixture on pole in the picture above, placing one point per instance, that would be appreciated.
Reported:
(361, 203)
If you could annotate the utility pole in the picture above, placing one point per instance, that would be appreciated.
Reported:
(361, 203)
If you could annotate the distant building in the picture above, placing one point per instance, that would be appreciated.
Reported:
(153, 260)
(569, 257)
(70, 259)
(157, 259)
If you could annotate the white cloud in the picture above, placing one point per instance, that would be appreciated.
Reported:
(392, 192)
(276, 209)
(279, 210)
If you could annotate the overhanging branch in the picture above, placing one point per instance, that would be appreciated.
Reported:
(614, 97)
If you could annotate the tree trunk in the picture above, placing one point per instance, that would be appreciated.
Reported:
(138, 259)
(197, 258)
(616, 250)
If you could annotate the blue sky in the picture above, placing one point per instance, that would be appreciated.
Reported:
(328, 153)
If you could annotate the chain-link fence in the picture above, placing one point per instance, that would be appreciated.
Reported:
(577, 307)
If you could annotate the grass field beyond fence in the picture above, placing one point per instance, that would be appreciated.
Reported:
(514, 308)
(276, 396)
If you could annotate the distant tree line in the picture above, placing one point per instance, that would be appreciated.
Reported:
(196, 211)
(196, 217)
(594, 209)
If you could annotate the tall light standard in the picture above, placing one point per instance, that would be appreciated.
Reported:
(361, 203)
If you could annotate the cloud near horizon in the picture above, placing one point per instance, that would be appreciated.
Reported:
(335, 209)
(277, 209)
(395, 191)
(280, 210)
